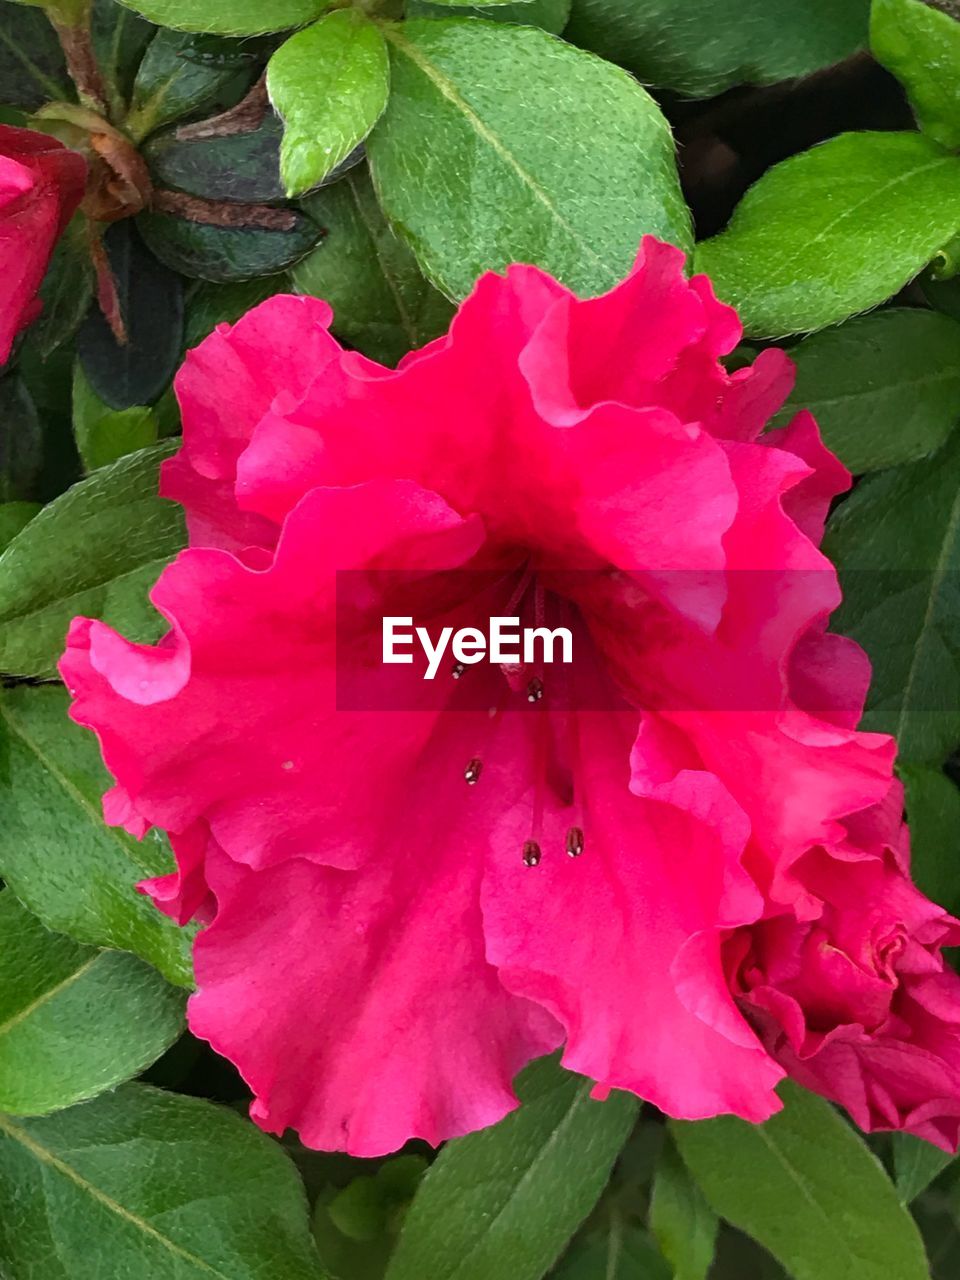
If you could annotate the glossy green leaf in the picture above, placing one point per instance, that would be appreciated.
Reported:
(684, 1225)
(150, 297)
(808, 1188)
(95, 550)
(921, 46)
(933, 811)
(75, 873)
(615, 1249)
(120, 38)
(551, 15)
(242, 166)
(74, 1020)
(506, 1200)
(146, 1184)
(229, 17)
(381, 302)
(103, 434)
(32, 69)
(915, 1165)
(21, 441)
(568, 170)
(700, 47)
(896, 541)
(172, 84)
(228, 253)
(885, 388)
(834, 231)
(330, 84)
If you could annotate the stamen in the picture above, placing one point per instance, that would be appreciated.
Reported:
(472, 772)
(575, 842)
(458, 670)
(531, 854)
(535, 690)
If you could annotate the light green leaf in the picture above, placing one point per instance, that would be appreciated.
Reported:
(505, 1201)
(896, 541)
(229, 17)
(701, 47)
(103, 434)
(330, 84)
(933, 811)
(921, 46)
(381, 302)
(74, 1021)
(95, 550)
(13, 517)
(683, 1224)
(915, 1165)
(807, 1188)
(73, 872)
(551, 15)
(142, 1183)
(566, 170)
(885, 388)
(834, 231)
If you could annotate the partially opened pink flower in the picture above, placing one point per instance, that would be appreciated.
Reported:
(669, 856)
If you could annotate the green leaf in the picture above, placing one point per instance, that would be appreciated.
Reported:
(103, 434)
(885, 388)
(32, 69)
(120, 39)
(807, 1188)
(933, 811)
(915, 1165)
(236, 18)
(13, 517)
(505, 1201)
(21, 441)
(94, 550)
(834, 230)
(896, 541)
(381, 302)
(244, 166)
(151, 305)
(616, 1250)
(551, 15)
(225, 254)
(701, 47)
(74, 1021)
(471, 4)
(566, 170)
(355, 1228)
(684, 1225)
(65, 293)
(921, 46)
(143, 1183)
(173, 83)
(330, 84)
(213, 304)
(73, 872)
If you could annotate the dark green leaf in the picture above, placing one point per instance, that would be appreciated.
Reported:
(239, 166)
(74, 1020)
(151, 304)
(146, 1184)
(933, 810)
(172, 84)
(921, 46)
(103, 434)
(13, 517)
(567, 170)
(228, 253)
(381, 302)
(120, 38)
(834, 231)
(807, 1188)
(944, 295)
(330, 84)
(73, 872)
(32, 70)
(213, 304)
(896, 541)
(95, 550)
(355, 1228)
(236, 18)
(885, 388)
(21, 441)
(65, 293)
(684, 1225)
(551, 15)
(915, 1165)
(505, 1201)
(616, 1250)
(700, 47)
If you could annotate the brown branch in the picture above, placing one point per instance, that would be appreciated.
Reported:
(82, 64)
(221, 213)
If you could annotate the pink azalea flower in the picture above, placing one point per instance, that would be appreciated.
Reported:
(675, 857)
(41, 185)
